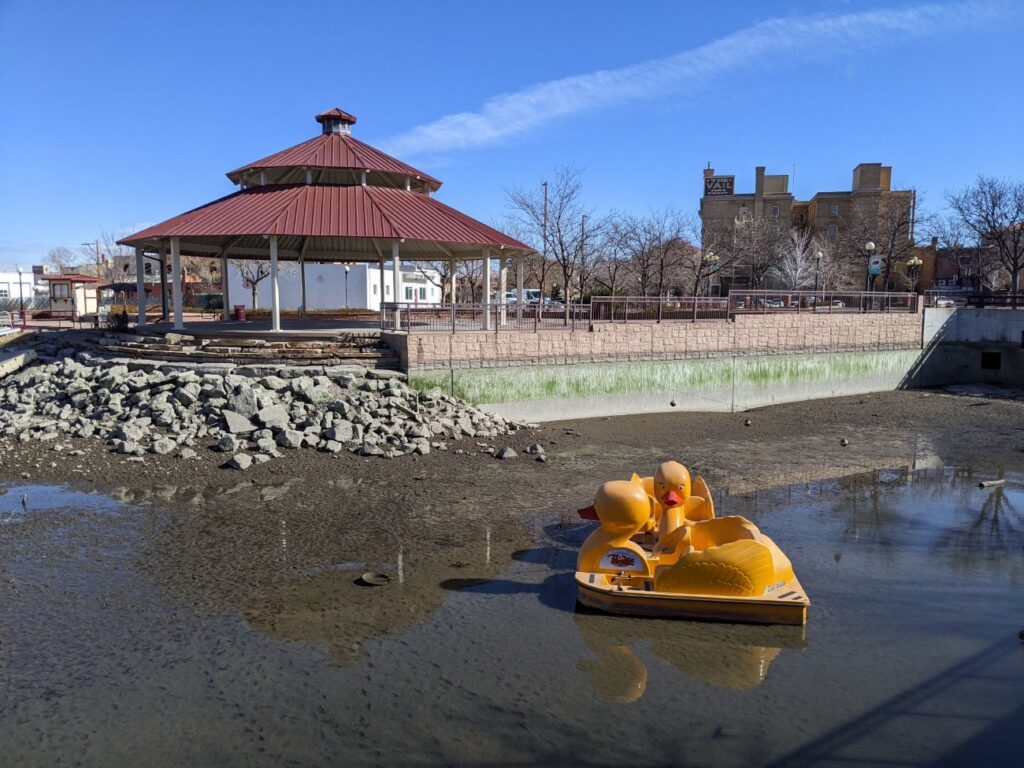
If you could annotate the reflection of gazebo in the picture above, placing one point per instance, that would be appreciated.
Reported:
(330, 199)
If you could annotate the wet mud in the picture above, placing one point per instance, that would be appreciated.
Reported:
(178, 613)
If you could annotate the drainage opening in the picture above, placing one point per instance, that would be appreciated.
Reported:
(991, 361)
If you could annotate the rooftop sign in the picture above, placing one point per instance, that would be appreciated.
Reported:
(719, 185)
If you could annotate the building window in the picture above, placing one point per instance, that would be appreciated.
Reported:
(833, 209)
(801, 218)
(387, 290)
(773, 211)
(832, 230)
(423, 294)
(60, 291)
(408, 293)
(374, 289)
(4, 293)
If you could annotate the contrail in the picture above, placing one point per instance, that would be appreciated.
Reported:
(512, 114)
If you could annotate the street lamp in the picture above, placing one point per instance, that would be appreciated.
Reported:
(869, 248)
(21, 296)
(346, 285)
(818, 256)
(913, 265)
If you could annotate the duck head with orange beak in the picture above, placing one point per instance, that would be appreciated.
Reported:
(672, 484)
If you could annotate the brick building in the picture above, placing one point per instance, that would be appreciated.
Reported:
(835, 216)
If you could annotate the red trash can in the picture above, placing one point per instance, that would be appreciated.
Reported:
(240, 312)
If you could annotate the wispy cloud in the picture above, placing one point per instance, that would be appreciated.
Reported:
(777, 40)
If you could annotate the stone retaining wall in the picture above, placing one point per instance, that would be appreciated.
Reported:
(746, 335)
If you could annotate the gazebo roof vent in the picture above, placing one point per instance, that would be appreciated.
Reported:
(336, 121)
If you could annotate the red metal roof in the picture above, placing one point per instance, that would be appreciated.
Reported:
(335, 150)
(71, 277)
(329, 211)
(340, 114)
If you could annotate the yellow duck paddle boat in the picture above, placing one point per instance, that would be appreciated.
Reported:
(660, 551)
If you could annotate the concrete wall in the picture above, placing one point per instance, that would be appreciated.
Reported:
(748, 335)
(957, 341)
(552, 392)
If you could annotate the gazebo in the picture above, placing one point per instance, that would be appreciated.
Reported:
(332, 198)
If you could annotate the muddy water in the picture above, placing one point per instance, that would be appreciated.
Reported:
(223, 626)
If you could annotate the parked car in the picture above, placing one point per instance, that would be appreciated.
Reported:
(944, 301)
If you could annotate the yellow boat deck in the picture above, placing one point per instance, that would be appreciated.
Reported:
(634, 595)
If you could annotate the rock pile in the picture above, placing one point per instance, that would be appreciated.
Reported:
(251, 413)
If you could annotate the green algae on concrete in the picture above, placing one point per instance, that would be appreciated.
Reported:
(525, 383)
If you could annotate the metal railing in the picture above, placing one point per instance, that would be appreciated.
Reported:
(655, 309)
(996, 299)
(950, 297)
(454, 318)
(825, 302)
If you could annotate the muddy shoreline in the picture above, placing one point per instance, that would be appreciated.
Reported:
(176, 613)
(779, 441)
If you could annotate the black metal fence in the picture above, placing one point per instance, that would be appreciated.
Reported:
(826, 302)
(453, 318)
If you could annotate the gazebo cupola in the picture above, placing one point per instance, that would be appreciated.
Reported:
(336, 121)
(334, 157)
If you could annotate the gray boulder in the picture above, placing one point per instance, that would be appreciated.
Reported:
(273, 416)
(236, 423)
(240, 461)
(290, 439)
(163, 446)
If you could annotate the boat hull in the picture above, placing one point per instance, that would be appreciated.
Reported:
(787, 606)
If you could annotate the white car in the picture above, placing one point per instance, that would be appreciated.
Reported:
(943, 301)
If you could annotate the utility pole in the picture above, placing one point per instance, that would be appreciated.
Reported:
(583, 254)
(544, 255)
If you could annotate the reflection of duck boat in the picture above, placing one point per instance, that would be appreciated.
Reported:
(725, 656)
(660, 551)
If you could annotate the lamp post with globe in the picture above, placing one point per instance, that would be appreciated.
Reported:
(21, 296)
(869, 249)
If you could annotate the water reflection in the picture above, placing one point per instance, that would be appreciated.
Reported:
(330, 608)
(731, 656)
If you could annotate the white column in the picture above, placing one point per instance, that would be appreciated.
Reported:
(452, 277)
(140, 285)
(224, 283)
(302, 281)
(275, 288)
(487, 289)
(520, 294)
(503, 289)
(396, 279)
(179, 323)
(380, 304)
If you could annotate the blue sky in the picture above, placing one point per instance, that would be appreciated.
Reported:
(117, 115)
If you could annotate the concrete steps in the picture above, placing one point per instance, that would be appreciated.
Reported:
(343, 349)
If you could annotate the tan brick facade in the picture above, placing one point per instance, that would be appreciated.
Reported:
(747, 335)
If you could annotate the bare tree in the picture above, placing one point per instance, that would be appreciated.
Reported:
(61, 258)
(888, 221)
(757, 247)
(993, 211)
(252, 274)
(537, 266)
(115, 263)
(565, 231)
(798, 262)
(977, 263)
(470, 274)
(437, 273)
